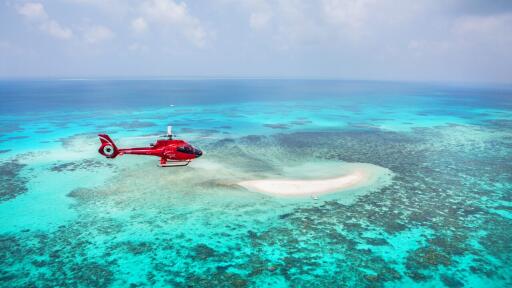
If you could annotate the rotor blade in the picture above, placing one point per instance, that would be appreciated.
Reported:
(174, 135)
(202, 137)
(142, 137)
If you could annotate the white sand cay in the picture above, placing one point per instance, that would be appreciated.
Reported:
(354, 175)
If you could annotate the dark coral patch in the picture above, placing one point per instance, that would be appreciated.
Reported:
(219, 279)
(203, 252)
(129, 125)
(135, 248)
(91, 274)
(451, 281)
(203, 132)
(18, 137)
(11, 183)
(9, 127)
(277, 126)
(86, 164)
(301, 122)
(427, 257)
(84, 195)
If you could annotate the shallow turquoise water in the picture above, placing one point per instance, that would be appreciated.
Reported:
(69, 217)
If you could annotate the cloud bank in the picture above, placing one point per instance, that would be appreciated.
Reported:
(452, 40)
(36, 13)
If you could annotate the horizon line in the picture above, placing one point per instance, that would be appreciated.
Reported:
(230, 77)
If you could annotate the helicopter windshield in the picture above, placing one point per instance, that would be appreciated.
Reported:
(186, 149)
(190, 150)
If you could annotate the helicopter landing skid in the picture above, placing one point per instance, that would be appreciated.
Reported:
(174, 164)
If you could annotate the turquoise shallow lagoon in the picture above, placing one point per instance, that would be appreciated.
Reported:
(441, 217)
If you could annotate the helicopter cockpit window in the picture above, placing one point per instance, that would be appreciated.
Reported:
(186, 149)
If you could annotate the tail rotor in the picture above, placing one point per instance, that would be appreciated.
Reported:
(107, 148)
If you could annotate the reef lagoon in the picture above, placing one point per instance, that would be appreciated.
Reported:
(438, 214)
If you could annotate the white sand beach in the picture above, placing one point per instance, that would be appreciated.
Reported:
(356, 176)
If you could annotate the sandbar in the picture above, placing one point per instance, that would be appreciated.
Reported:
(352, 178)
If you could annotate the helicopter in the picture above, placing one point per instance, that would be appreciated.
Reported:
(172, 152)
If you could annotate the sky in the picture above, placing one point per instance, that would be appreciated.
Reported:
(420, 40)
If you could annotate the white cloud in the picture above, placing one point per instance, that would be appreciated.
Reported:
(170, 13)
(476, 24)
(352, 13)
(33, 11)
(297, 24)
(475, 33)
(36, 13)
(97, 34)
(259, 20)
(56, 30)
(261, 14)
(139, 25)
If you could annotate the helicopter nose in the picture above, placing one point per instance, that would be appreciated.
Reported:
(198, 152)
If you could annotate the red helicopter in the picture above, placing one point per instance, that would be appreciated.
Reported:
(172, 152)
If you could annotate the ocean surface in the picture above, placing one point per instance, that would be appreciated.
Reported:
(69, 217)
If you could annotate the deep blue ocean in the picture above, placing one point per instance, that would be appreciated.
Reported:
(441, 216)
